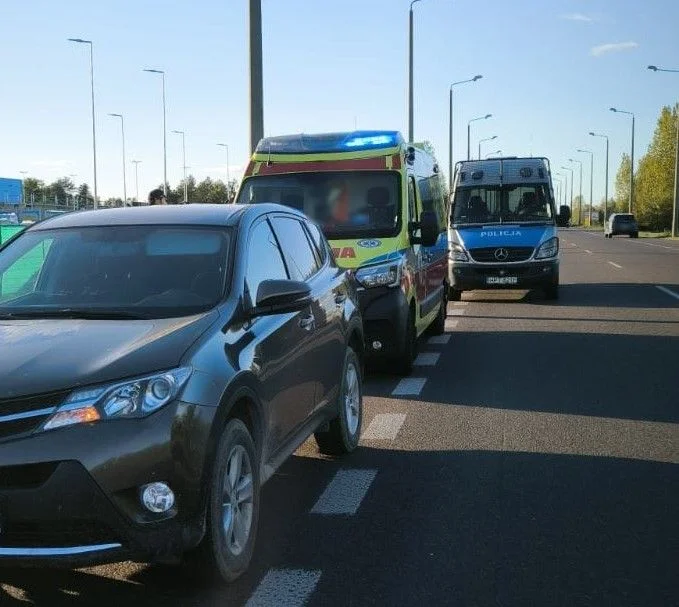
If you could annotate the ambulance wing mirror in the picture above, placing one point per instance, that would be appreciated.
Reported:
(429, 229)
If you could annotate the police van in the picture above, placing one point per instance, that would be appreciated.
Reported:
(381, 205)
(503, 227)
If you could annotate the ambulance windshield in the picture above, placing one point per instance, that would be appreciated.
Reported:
(346, 204)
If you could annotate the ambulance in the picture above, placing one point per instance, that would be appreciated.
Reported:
(503, 227)
(380, 203)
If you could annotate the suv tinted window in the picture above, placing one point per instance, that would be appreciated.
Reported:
(319, 241)
(300, 258)
(264, 260)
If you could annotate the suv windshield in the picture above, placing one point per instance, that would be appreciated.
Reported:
(121, 272)
(345, 204)
(502, 204)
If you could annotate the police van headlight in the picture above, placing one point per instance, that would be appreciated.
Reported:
(457, 253)
(549, 248)
(383, 275)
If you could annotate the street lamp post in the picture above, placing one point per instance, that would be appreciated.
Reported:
(485, 139)
(495, 153)
(572, 171)
(23, 187)
(226, 147)
(162, 73)
(606, 188)
(256, 75)
(411, 109)
(450, 127)
(579, 203)
(675, 205)
(469, 125)
(136, 178)
(564, 190)
(591, 181)
(186, 191)
(122, 127)
(631, 172)
(94, 132)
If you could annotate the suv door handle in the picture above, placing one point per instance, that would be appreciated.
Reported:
(307, 322)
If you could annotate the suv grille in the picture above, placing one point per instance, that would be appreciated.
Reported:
(21, 416)
(488, 254)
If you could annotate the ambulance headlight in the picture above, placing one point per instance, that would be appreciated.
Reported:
(382, 275)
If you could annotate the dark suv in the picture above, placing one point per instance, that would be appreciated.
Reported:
(621, 223)
(157, 364)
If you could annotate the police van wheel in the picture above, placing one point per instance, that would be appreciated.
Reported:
(454, 294)
(552, 291)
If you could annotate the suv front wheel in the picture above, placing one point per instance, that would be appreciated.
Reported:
(233, 508)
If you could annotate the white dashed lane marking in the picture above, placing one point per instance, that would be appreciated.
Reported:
(451, 324)
(345, 492)
(427, 359)
(285, 588)
(439, 340)
(410, 386)
(588, 251)
(668, 291)
(384, 426)
(615, 265)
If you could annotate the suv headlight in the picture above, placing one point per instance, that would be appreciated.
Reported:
(549, 248)
(457, 253)
(383, 275)
(121, 400)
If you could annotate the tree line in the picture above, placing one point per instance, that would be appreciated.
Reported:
(654, 176)
(65, 193)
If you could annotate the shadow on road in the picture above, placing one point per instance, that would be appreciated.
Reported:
(439, 528)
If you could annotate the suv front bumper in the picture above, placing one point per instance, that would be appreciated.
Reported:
(72, 496)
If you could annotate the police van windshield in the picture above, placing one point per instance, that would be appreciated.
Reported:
(346, 204)
(524, 203)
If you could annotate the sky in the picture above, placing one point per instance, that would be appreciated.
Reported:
(551, 69)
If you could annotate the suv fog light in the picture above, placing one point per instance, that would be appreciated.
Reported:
(377, 345)
(157, 497)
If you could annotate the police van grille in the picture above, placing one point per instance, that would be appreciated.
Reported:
(488, 254)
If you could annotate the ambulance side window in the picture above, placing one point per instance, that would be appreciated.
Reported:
(412, 200)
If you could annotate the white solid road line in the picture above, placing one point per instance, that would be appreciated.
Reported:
(285, 588)
(439, 340)
(384, 426)
(456, 312)
(451, 324)
(345, 492)
(409, 386)
(615, 265)
(668, 291)
(427, 359)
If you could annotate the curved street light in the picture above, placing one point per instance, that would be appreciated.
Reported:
(469, 130)
(631, 172)
(450, 125)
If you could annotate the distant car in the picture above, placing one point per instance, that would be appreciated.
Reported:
(9, 219)
(621, 223)
(157, 365)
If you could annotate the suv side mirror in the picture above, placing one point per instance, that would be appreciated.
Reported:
(429, 229)
(276, 296)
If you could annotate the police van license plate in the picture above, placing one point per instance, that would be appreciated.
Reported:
(501, 280)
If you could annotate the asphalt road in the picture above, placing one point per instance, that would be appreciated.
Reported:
(530, 459)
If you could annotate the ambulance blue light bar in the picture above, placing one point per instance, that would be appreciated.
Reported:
(330, 142)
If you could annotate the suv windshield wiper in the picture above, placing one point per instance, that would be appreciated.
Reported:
(84, 313)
